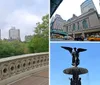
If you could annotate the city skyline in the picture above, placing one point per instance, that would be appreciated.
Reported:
(21, 14)
(9, 36)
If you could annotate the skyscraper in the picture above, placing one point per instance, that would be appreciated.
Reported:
(99, 2)
(14, 34)
(87, 5)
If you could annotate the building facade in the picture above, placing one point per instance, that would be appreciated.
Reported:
(86, 24)
(14, 34)
(87, 5)
(56, 26)
(58, 23)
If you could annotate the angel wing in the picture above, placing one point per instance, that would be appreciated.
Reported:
(67, 48)
(81, 50)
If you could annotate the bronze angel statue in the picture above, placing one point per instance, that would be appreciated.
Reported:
(75, 54)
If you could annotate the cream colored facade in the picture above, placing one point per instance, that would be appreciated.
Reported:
(86, 24)
(58, 22)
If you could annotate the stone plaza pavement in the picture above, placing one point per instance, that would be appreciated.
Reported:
(38, 78)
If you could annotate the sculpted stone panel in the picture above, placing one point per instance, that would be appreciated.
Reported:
(13, 66)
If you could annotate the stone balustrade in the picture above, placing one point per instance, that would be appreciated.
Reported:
(16, 65)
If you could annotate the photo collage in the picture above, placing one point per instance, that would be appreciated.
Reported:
(49, 42)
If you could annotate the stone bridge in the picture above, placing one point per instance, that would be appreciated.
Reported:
(24, 68)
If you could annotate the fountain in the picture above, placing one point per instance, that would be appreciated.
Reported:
(75, 71)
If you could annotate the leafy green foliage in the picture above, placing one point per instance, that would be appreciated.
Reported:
(40, 40)
(12, 48)
(39, 44)
(42, 29)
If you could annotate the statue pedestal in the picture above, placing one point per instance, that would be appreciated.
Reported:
(75, 72)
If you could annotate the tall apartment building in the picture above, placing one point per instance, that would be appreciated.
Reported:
(14, 34)
(87, 5)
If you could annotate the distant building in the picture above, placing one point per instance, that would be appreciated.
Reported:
(87, 5)
(57, 23)
(28, 38)
(56, 26)
(14, 34)
(99, 2)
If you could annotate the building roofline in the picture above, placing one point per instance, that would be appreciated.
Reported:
(84, 2)
(82, 15)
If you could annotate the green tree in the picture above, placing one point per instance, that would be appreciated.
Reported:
(12, 48)
(42, 29)
(6, 49)
(40, 40)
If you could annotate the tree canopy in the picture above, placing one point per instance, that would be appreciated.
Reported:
(12, 48)
(40, 40)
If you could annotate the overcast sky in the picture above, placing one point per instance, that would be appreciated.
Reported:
(69, 7)
(23, 14)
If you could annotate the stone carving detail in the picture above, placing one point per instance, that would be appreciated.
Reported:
(13, 66)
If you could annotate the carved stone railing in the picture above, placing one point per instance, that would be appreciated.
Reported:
(20, 65)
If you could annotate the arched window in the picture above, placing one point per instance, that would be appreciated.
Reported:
(85, 25)
(78, 25)
(74, 27)
(67, 29)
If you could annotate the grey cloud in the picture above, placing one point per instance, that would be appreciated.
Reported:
(23, 14)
